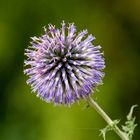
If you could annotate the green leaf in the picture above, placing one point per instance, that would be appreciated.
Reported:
(108, 128)
(130, 125)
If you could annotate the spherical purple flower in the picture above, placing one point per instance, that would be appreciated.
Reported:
(62, 66)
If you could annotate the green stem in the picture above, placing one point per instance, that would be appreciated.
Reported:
(93, 104)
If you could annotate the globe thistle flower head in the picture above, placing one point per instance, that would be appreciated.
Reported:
(63, 66)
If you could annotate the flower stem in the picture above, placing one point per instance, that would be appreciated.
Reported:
(93, 104)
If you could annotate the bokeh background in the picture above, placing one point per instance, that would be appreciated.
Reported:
(116, 25)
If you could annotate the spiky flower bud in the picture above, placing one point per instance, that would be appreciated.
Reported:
(62, 66)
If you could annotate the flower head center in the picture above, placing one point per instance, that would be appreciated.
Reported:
(64, 59)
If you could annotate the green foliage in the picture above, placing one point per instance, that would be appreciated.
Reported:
(130, 125)
(128, 128)
(108, 128)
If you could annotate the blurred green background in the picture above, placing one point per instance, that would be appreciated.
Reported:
(116, 25)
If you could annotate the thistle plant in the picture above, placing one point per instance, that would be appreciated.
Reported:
(63, 69)
(64, 66)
